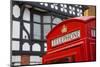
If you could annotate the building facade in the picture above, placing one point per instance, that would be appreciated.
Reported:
(30, 23)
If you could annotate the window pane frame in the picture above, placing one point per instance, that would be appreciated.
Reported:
(35, 33)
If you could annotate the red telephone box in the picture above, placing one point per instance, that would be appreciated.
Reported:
(73, 40)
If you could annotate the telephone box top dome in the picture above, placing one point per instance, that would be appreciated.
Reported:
(83, 19)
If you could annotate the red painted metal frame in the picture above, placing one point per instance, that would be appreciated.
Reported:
(78, 50)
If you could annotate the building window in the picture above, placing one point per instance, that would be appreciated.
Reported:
(16, 58)
(16, 29)
(26, 15)
(16, 11)
(35, 60)
(37, 31)
(56, 20)
(46, 19)
(26, 47)
(15, 45)
(47, 28)
(36, 47)
(36, 18)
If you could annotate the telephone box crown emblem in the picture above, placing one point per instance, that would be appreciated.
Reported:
(64, 29)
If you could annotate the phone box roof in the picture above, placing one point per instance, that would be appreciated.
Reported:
(83, 19)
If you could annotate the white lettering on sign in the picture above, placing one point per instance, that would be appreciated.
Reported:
(66, 38)
(93, 33)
